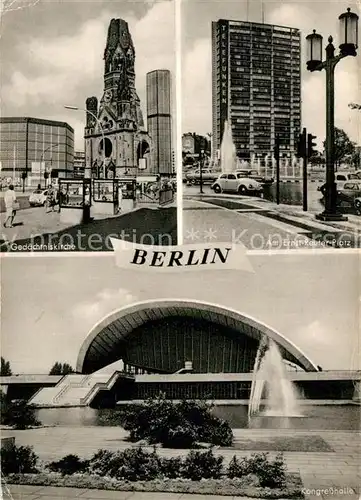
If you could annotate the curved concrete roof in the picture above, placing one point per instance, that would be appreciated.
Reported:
(115, 327)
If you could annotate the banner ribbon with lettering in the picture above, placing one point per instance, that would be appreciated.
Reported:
(199, 256)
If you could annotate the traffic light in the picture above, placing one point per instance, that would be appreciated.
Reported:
(301, 145)
(311, 146)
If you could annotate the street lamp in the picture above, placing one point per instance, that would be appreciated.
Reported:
(51, 147)
(348, 24)
(76, 108)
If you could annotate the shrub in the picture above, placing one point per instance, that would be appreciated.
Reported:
(172, 467)
(105, 463)
(218, 432)
(70, 464)
(139, 465)
(237, 468)
(176, 425)
(132, 464)
(19, 460)
(182, 436)
(271, 473)
(198, 465)
(19, 414)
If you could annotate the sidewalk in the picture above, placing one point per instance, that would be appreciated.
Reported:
(17, 492)
(338, 468)
(293, 213)
(45, 232)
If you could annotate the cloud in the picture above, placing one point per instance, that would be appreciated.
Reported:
(197, 91)
(197, 79)
(51, 72)
(104, 303)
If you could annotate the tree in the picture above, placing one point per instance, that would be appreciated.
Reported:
(343, 146)
(61, 369)
(5, 368)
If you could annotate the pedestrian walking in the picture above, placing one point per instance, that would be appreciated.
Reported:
(11, 206)
(50, 201)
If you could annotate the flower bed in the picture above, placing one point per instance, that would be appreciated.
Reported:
(246, 486)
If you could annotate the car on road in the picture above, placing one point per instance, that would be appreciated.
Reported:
(38, 197)
(349, 192)
(253, 174)
(340, 179)
(345, 176)
(236, 183)
(208, 176)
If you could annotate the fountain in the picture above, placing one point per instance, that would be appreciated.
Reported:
(228, 151)
(266, 161)
(294, 165)
(274, 165)
(270, 377)
(286, 163)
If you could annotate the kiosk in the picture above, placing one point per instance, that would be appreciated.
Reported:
(105, 197)
(126, 194)
(74, 200)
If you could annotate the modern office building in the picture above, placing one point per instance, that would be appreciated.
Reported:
(159, 120)
(256, 86)
(35, 147)
(79, 164)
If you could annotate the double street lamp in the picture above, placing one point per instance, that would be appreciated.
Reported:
(348, 25)
(76, 108)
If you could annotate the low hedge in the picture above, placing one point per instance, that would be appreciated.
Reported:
(138, 464)
(229, 487)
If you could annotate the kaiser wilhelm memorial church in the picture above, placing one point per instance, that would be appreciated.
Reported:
(116, 142)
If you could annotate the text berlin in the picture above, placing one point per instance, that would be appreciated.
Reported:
(180, 258)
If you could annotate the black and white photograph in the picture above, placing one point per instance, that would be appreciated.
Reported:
(180, 199)
(225, 363)
(86, 124)
(270, 135)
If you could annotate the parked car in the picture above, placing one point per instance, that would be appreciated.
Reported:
(340, 179)
(357, 204)
(208, 175)
(236, 183)
(253, 174)
(38, 197)
(349, 192)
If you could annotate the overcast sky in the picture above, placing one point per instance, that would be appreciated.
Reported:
(52, 55)
(50, 303)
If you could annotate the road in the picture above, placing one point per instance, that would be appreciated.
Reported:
(36, 230)
(244, 220)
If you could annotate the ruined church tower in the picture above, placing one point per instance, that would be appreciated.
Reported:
(116, 143)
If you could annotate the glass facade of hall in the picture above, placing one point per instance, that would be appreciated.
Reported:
(159, 120)
(25, 143)
(163, 346)
(256, 82)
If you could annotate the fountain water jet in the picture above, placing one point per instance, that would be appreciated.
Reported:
(270, 376)
(228, 151)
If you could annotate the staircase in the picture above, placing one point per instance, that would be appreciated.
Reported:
(74, 390)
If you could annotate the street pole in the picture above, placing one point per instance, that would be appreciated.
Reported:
(304, 179)
(348, 29)
(201, 172)
(277, 158)
(76, 108)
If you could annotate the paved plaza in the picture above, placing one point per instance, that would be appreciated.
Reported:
(45, 231)
(15, 492)
(259, 224)
(338, 469)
